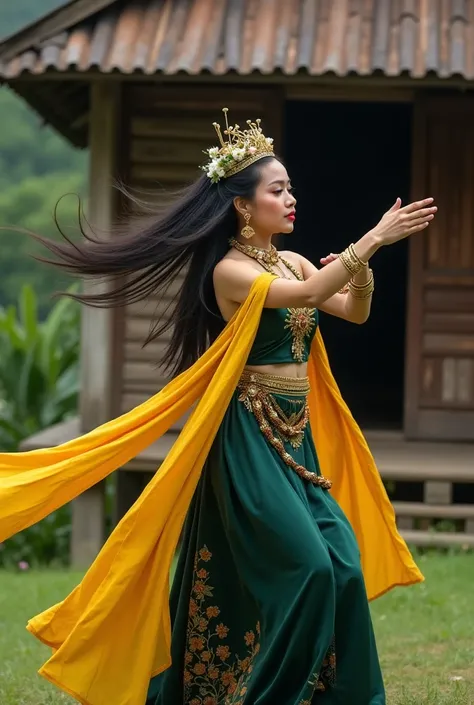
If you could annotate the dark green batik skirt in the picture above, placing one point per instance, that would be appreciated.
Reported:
(268, 603)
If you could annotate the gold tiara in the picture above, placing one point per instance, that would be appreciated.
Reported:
(242, 148)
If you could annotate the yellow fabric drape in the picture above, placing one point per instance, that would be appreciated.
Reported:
(346, 459)
(112, 633)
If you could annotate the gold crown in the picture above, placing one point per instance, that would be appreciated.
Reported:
(242, 148)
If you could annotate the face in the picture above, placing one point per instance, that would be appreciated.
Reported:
(273, 208)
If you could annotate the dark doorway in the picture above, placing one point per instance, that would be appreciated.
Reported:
(349, 162)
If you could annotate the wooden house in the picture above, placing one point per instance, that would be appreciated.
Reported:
(366, 101)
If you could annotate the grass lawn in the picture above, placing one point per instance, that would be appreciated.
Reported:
(425, 635)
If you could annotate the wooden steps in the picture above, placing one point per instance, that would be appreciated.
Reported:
(438, 539)
(434, 511)
(419, 523)
(402, 460)
(437, 467)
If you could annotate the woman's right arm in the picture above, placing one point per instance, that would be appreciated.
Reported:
(233, 279)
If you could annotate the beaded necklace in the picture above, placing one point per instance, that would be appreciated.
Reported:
(266, 258)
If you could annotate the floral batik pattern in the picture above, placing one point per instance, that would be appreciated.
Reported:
(212, 674)
(320, 682)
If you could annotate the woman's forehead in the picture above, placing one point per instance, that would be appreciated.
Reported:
(274, 171)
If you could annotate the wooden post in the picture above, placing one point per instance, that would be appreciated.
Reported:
(88, 510)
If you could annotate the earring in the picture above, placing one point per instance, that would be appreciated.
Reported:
(247, 231)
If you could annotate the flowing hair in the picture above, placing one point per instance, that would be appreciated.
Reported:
(143, 256)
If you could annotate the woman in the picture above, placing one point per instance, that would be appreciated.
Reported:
(269, 604)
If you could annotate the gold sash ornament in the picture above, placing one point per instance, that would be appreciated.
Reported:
(113, 632)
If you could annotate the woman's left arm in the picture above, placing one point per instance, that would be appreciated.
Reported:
(347, 306)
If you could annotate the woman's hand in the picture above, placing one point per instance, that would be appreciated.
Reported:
(398, 223)
(329, 258)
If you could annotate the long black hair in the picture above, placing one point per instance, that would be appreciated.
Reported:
(143, 257)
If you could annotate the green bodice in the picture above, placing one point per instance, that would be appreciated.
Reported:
(284, 335)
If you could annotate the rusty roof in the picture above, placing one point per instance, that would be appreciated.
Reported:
(411, 39)
(392, 37)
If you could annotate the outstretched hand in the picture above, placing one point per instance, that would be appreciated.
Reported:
(400, 222)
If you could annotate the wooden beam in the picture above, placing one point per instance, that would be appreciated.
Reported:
(434, 511)
(54, 435)
(438, 539)
(97, 373)
(97, 324)
(343, 91)
(452, 83)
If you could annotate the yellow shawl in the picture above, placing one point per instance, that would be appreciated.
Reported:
(112, 633)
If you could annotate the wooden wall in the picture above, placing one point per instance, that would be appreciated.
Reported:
(440, 340)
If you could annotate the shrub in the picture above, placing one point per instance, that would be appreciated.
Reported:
(39, 385)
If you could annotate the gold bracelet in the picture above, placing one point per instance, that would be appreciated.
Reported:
(356, 256)
(362, 291)
(351, 261)
(364, 286)
(359, 295)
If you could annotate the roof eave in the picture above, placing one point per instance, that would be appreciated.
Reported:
(58, 110)
(73, 128)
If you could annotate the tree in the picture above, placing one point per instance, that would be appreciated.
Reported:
(37, 167)
(30, 204)
(15, 15)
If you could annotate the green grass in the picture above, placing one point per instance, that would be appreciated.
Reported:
(425, 635)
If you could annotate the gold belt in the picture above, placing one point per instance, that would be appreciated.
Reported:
(291, 386)
(256, 393)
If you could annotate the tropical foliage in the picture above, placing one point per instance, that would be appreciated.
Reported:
(39, 384)
(38, 367)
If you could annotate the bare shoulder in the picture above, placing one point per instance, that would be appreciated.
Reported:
(234, 276)
(232, 265)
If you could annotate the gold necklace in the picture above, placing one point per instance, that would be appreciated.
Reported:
(266, 258)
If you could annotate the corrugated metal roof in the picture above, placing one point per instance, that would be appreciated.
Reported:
(394, 37)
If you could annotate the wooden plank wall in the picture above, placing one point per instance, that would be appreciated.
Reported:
(440, 341)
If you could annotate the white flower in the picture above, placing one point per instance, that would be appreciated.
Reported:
(252, 150)
(238, 153)
(215, 169)
(269, 140)
(213, 152)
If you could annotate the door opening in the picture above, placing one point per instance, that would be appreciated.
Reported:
(349, 162)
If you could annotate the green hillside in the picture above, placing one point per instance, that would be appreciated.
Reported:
(37, 167)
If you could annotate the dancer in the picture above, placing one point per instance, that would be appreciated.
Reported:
(288, 532)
